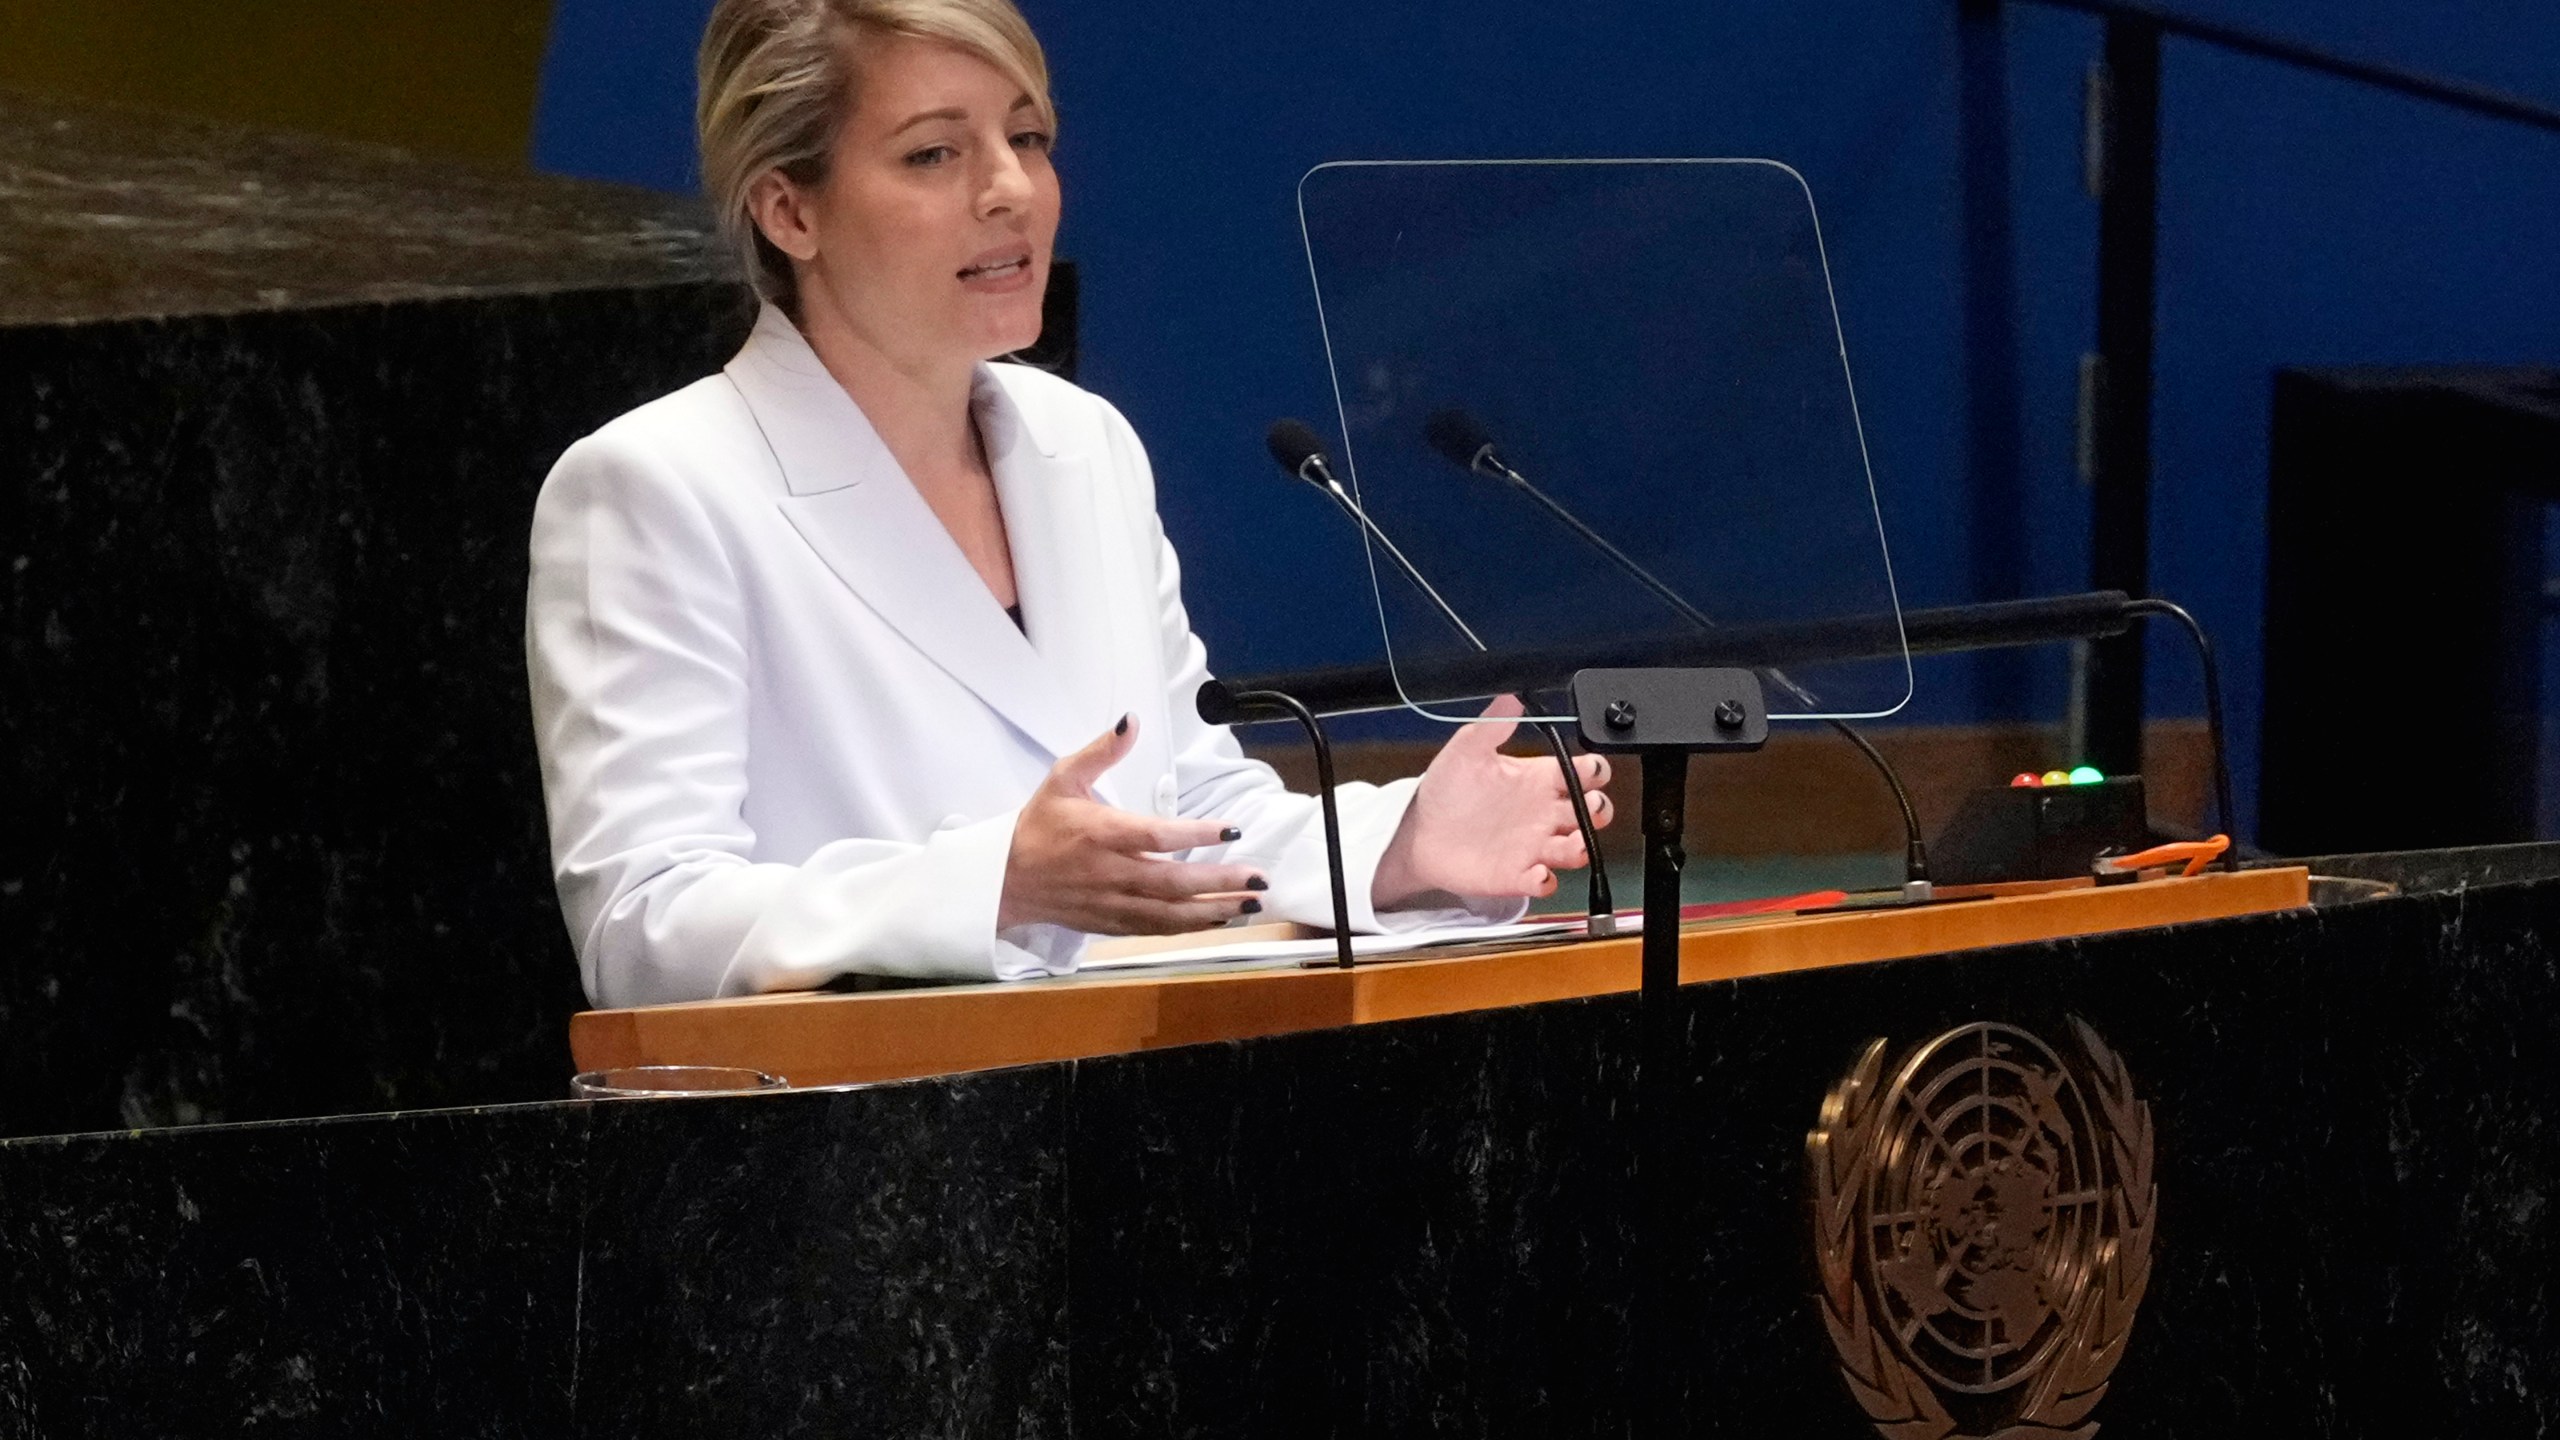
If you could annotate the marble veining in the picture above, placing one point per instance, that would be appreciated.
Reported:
(877, 1261)
(113, 215)
(2430, 871)
(402, 1275)
(273, 412)
(1402, 1229)
(276, 843)
(1412, 1228)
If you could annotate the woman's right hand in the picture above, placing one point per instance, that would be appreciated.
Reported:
(1080, 863)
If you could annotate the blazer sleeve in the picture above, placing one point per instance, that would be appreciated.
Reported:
(1283, 830)
(634, 646)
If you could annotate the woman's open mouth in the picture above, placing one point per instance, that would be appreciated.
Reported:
(997, 271)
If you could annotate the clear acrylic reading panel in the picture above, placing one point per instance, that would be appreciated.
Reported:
(1652, 348)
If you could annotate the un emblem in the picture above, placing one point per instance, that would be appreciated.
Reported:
(1983, 1218)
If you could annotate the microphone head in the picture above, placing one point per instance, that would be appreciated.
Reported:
(1293, 443)
(1458, 438)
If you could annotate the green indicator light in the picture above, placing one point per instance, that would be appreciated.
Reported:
(2086, 775)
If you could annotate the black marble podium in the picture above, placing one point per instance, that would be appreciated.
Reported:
(272, 415)
(1417, 1227)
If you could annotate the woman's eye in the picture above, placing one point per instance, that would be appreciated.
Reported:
(930, 156)
(1031, 140)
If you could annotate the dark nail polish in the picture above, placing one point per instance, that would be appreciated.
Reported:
(1230, 835)
(1257, 883)
(1250, 907)
(1122, 728)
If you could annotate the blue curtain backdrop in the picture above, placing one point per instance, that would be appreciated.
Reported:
(2304, 221)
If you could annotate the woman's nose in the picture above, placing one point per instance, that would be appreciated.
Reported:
(1008, 185)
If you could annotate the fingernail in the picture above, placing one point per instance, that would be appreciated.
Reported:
(1251, 906)
(1257, 883)
(1122, 728)
(1230, 835)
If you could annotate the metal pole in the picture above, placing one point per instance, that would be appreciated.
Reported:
(2124, 155)
(1325, 804)
(1996, 504)
(1666, 799)
(1661, 1336)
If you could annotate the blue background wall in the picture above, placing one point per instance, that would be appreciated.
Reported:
(2303, 222)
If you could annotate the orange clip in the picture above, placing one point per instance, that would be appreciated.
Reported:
(2197, 853)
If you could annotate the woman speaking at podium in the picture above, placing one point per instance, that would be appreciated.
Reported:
(867, 655)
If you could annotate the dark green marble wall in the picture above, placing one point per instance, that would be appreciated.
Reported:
(1423, 1227)
(273, 413)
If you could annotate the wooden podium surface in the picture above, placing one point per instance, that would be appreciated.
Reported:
(829, 1039)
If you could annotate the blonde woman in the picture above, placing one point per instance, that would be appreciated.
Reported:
(868, 655)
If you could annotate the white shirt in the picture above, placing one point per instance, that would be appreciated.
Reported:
(786, 729)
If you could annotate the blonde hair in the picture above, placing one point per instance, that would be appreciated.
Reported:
(776, 83)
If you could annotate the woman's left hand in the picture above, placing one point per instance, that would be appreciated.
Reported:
(1484, 823)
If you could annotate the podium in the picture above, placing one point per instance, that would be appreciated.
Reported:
(834, 1039)
(1375, 1225)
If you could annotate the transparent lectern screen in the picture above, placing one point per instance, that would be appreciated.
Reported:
(1675, 473)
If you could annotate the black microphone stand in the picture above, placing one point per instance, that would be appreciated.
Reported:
(1603, 917)
(1462, 442)
(1291, 706)
(1664, 716)
(1288, 438)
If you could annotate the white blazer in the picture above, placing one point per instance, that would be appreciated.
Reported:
(785, 728)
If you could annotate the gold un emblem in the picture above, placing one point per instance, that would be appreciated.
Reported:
(1983, 1217)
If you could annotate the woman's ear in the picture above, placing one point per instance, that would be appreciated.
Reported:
(781, 210)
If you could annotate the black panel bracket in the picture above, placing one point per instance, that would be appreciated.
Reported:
(1685, 709)
(1665, 715)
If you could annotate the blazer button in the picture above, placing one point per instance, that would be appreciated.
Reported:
(1164, 795)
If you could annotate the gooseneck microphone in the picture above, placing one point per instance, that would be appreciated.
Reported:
(1300, 451)
(1463, 441)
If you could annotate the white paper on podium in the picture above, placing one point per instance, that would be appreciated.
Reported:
(1244, 954)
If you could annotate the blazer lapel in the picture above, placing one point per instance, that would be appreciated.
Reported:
(849, 500)
(1060, 565)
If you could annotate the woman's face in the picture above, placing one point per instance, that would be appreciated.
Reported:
(930, 236)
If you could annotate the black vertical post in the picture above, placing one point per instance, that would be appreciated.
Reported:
(1666, 800)
(1660, 1346)
(1330, 808)
(1995, 490)
(2127, 169)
